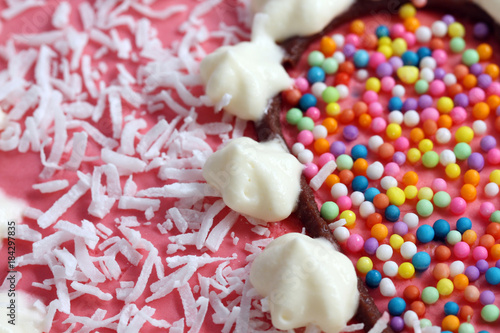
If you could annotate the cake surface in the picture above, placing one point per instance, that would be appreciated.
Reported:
(105, 132)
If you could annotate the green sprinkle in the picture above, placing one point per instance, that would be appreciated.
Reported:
(495, 217)
(421, 87)
(344, 162)
(442, 199)
(315, 58)
(424, 322)
(424, 208)
(462, 151)
(330, 95)
(430, 295)
(430, 159)
(329, 210)
(490, 313)
(466, 328)
(453, 237)
(330, 66)
(470, 57)
(305, 123)
(457, 44)
(293, 116)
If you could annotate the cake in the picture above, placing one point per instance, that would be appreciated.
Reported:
(105, 130)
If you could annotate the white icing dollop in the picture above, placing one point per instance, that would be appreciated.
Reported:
(11, 209)
(306, 282)
(258, 179)
(250, 72)
(288, 18)
(27, 317)
(492, 7)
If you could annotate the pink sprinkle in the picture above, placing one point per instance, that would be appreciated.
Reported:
(392, 169)
(429, 113)
(440, 56)
(419, 3)
(402, 143)
(437, 88)
(397, 30)
(376, 59)
(352, 39)
(476, 95)
(439, 184)
(493, 89)
(493, 156)
(458, 115)
(387, 83)
(486, 209)
(458, 205)
(313, 112)
(305, 137)
(325, 158)
(344, 203)
(378, 125)
(370, 96)
(310, 170)
(355, 243)
(375, 109)
(302, 84)
(461, 250)
(480, 253)
(410, 39)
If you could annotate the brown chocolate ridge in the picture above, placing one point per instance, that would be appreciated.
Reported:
(270, 126)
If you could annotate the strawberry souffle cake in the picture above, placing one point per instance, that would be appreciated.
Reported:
(250, 166)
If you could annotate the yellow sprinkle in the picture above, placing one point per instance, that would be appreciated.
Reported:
(408, 74)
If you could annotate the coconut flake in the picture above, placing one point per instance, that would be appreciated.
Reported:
(142, 204)
(322, 174)
(80, 140)
(143, 277)
(178, 190)
(51, 186)
(353, 328)
(60, 19)
(124, 163)
(219, 232)
(63, 204)
(207, 222)
(85, 262)
(91, 290)
(188, 303)
(381, 324)
(129, 134)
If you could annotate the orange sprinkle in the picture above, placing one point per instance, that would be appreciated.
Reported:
(487, 241)
(445, 121)
(357, 27)
(430, 127)
(330, 124)
(411, 293)
(450, 323)
(492, 70)
(327, 46)
(418, 307)
(321, 146)
(469, 236)
(346, 177)
(481, 111)
(494, 230)
(497, 123)
(332, 180)
(461, 281)
(359, 167)
(342, 78)
(466, 312)
(436, 44)
(442, 253)
(468, 192)
(373, 219)
(386, 150)
(493, 102)
(472, 177)
(495, 252)
(359, 108)
(460, 71)
(347, 67)
(455, 89)
(381, 201)
(411, 24)
(369, 41)
(365, 120)
(441, 271)
(410, 178)
(469, 81)
(379, 231)
(485, 51)
(410, 238)
(346, 116)
(417, 135)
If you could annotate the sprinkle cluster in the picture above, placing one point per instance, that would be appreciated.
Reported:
(400, 158)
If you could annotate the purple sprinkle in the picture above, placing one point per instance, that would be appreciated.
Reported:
(481, 30)
(461, 99)
(497, 111)
(482, 265)
(472, 273)
(399, 158)
(439, 73)
(371, 246)
(497, 265)
(410, 104)
(448, 19)
(400, 228)
(487, 143)
(476, 161)
(396, 62)
(349, 50)
(476, 69)
(337, 148)
(350, 133)
(425, 101)
(384, 69)
(484, 81)
(487, 297)
(397, 324)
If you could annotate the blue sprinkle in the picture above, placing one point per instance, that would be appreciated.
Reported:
(361, 58)
(395, 103)
(315, 74)
(425, 233)
(373, 278)
(421, 261)
(382, 31)
(370, 193)
(464, 224)
(451, 308)
(359, 183)
(307, 101)
(410, 58)
(392, 213)
(441, 229)
(359, 151)
(396, 306)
